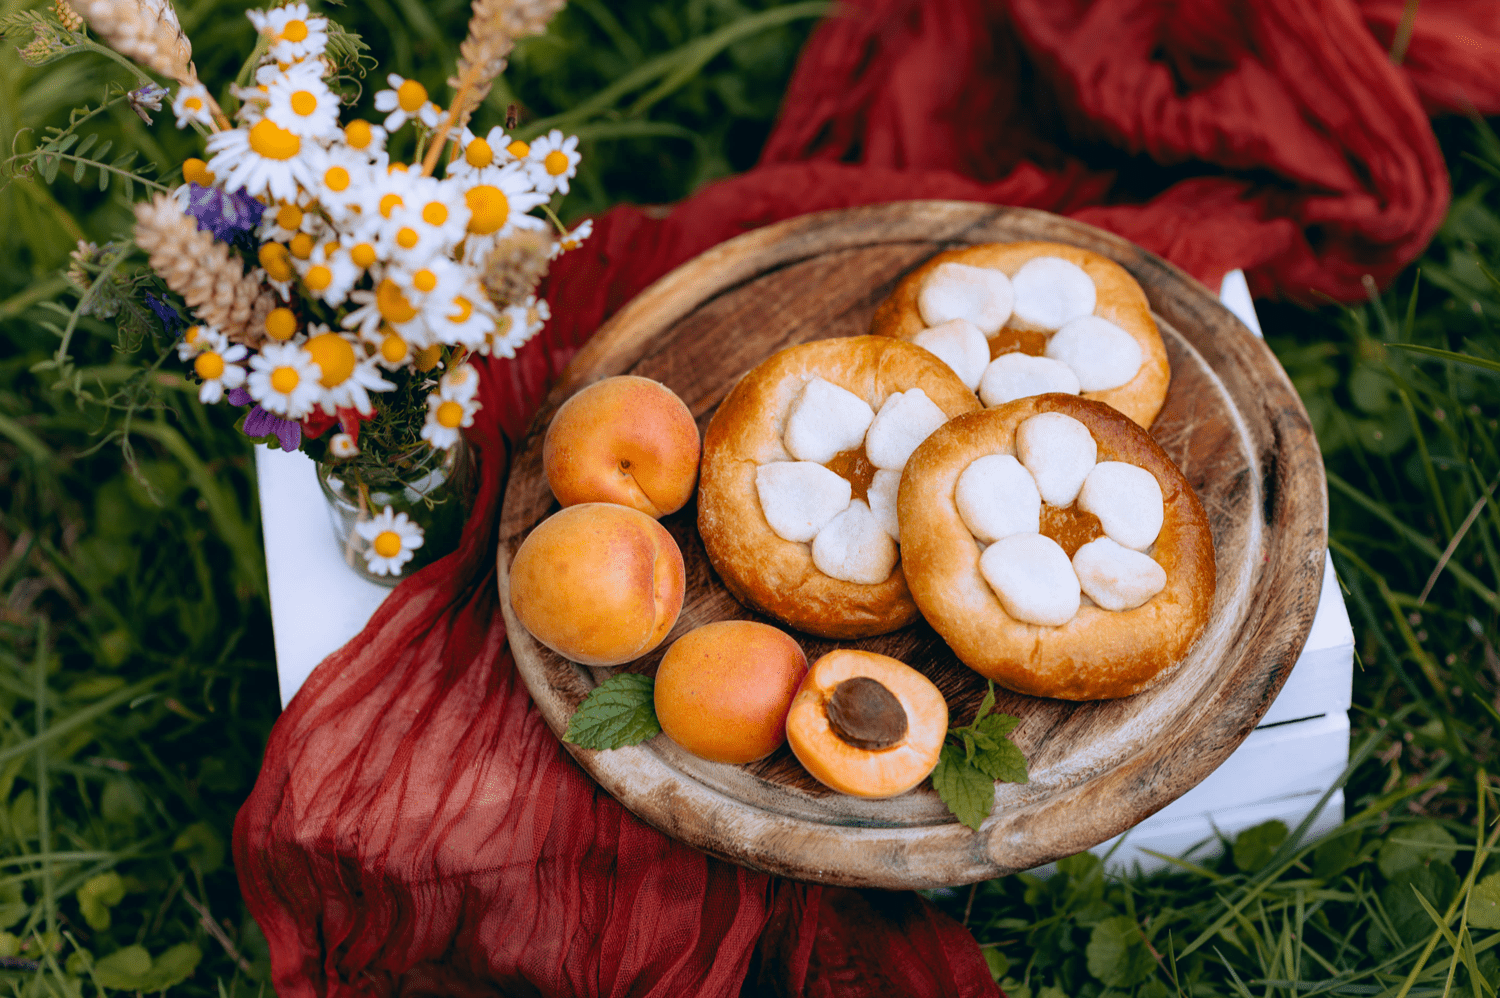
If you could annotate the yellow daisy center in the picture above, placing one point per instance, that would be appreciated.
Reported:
(427, 357)
(424, 280)
(387, 544)
(289, 217)
(488, 207)
(273, 142)
(396, 168)
(208, 366)
(336, 178)
(363, 255)
(295, 31)
(406, 238)
(556, 162)
(285, 380)
(410, 96)
(193, 103)
(190, 335)
(358, 134)
(392, 303)
(393, 348)
(318, 278)
(390, 203)
(281, 324)
(334, 357)
(304, 102)
(301, 245)
(518, 149)
(276, 260)
(465, 309)
(450, 414)
(479, 154)
(436, 213)
(195, 171)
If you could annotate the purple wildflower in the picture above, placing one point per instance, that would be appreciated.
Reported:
(227, 214)
(259, 423)
(170, 320)
(146, 99)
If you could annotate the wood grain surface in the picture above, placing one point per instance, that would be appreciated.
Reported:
(1232, 422)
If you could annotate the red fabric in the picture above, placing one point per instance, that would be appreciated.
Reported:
(416, 828)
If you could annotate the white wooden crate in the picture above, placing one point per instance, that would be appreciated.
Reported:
(1301, 746)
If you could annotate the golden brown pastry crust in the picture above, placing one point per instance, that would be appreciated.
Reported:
(761, 569)
(1098, 654)
(1120, 300)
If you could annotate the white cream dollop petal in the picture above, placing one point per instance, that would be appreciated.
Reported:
(961, 345)
(958, 291)
(1103, 355)
(1033, 578)
(825, 420)
(854, 547)
(997, 497)
(882, 496)
(1115, 577)
(1127, 500)
(1012, 376)
(904, 421)
(1051, 292)
(1059, 451)
(799, 498)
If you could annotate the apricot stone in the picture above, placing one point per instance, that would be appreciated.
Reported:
(724, 689)
(625, 440)
(598, 583)
(866, 724)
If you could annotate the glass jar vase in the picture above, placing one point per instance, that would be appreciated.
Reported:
(373, 509)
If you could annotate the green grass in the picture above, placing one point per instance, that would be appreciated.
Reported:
(135, 651)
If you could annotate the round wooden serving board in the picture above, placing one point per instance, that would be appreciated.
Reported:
(1233, 424)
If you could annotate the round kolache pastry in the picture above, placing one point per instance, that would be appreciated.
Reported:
(1021, 319)
(797, 490)
(1056, 548)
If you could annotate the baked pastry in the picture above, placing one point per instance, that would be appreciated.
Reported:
(1056, 548)
(1018, 319)
(801, 462)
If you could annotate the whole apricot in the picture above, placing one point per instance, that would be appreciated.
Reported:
(598, 583)
(625, 440)
(866, 724)
(723, 690)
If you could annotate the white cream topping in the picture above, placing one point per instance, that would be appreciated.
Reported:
(1102, 354)
(824, 420)
(1016, 375)
(959, 291)
(882, 496)
(1115, 577)
(1051, 292)
(904, 421)
(854, 547)
(959, 344)
(997, 497)
(1127, 500)
(800, 498)
(1033, 578)
(1059, 451)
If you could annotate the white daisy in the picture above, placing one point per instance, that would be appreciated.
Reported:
(477, 153)
(219, 369)
(345, 372)
(283, 221)
(191, 105)
(460, 384)
(469, 320)
(444, 419)
(329, 273)
(284, 380)
(342, 445)
(405, 100)
(196, 339)
(552, 161)
(293, 34)
(441, 207)
(573, 240)
(498, 199)
(516, 325)
(392, 537)
(392, 352)
(299, 101)
(345, 173)
(264, 159)
(368, 140)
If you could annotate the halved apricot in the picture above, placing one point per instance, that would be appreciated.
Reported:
(866, 724)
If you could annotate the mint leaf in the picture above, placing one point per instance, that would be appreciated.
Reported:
(621, 711)
(1004, 762)
(987, 704)
(1484, 903)
(997, 726)
(968, 793)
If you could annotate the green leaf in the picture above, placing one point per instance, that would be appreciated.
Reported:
(968, 793)
(1005, 762)
(1413, 845)
(204, 847)
(13, 906)
(1484, 903)
(124, 969)
(1117, 953)
(986, 705)
(1460, 358)
(1255, 846)
(86, 144)
(621, 711)
(97, 896)
(997, 725)
(78, 169)
(173, 967)
(1335, 855)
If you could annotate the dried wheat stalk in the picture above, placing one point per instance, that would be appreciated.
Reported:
(144, 30)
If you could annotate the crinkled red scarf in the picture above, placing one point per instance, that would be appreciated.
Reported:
(416, 827)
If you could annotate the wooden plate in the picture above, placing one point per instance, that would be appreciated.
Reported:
(1231, 421)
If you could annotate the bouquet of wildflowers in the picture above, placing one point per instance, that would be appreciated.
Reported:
(331, 288)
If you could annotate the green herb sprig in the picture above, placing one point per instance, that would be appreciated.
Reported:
(973, 758)
(620, 711)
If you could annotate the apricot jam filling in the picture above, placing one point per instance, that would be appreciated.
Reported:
(1027, 341)
(853, 466)
(1070, 527)
(865, 714)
